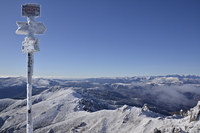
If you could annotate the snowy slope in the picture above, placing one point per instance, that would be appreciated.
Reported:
(64, 110)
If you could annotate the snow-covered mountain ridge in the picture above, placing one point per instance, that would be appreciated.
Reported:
(94, 104)
(64, 110)
(162, 93)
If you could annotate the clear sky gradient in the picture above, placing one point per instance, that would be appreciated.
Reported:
(105, 38)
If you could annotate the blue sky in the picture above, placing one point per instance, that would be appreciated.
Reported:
(105, 38)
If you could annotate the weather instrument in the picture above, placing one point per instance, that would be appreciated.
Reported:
(30, 45)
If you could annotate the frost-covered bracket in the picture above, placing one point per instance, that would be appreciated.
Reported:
(30, 45)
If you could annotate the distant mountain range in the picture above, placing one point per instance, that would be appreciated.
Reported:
(170, 93)
(56, 101)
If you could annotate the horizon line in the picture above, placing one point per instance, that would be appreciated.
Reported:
(65, 77)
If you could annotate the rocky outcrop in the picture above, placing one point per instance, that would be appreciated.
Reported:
(195, 113)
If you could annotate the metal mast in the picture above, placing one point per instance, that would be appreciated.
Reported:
(29, 46)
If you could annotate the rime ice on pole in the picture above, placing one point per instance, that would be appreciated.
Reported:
(30, 45)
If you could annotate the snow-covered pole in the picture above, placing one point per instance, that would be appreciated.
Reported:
(29, 128)
(29, 46)
(30, 61)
